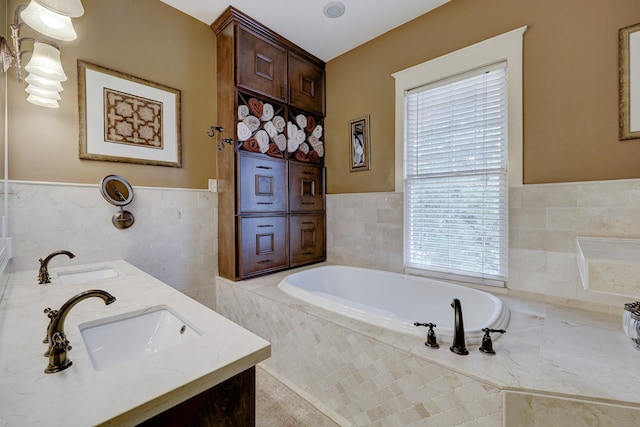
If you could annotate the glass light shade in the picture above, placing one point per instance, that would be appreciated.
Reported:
(45, 62)
(44, 93)
(70, 8)
(43, 83)
(48, 23)
(43, 102)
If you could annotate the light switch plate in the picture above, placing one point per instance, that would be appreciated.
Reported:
(213, 185)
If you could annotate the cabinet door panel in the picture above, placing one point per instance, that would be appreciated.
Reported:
(306, 85)
(306, 188)
(262, 65)
(263, 244)
(306, 236)
(262, 184)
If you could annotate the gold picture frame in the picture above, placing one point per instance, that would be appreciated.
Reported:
(629, 70)
(360, 145)
(128, 119)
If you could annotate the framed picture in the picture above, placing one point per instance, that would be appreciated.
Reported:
(127, 119)
(360, 144)
(629, 66)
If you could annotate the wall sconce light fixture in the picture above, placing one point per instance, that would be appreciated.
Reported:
(52, 19)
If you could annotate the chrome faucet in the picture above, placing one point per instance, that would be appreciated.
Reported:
(43, 273)
(458, 346)
(58, 343)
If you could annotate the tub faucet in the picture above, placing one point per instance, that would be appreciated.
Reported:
(58, 343)
(43, 273)
(458, 346)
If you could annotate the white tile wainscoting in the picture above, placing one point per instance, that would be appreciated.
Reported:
(174, 237)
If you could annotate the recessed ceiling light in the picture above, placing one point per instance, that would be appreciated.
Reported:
(334, 9)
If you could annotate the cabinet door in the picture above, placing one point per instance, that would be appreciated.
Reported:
(306, 187)
(306, 85)
(263, 244)
(262, 65)
(306, 239)
(262, 184)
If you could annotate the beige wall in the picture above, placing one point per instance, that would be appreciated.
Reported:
(570, 87)
(144, 38)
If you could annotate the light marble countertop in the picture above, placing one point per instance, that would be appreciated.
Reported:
(125, 394)
(549, 349)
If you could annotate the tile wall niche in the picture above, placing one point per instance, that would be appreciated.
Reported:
(174, 237)
(544, 222)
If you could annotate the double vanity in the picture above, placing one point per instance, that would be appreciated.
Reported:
(151, 356)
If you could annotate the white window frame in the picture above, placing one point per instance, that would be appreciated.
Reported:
(505, 47)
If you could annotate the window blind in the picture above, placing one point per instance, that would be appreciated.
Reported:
(456, 177)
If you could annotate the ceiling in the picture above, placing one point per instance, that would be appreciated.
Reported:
(304, 23)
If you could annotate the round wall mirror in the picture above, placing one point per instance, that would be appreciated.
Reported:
(117, 191)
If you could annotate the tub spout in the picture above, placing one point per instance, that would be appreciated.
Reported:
(458, 346)
(43, 273)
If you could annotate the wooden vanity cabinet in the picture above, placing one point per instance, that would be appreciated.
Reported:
(271, 202)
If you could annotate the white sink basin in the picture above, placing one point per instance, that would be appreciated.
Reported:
(114, 340)
(73, 277)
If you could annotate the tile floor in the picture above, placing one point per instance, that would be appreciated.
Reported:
(278, 406)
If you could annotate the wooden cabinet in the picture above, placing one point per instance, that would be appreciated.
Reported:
(306, 238)
(262, 65)
(263, 244)
(272, 66)
(262, 184)
(306, 84)
(271, 183)
(306, 188)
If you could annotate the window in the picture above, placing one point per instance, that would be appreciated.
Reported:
(455, 175)
(459, 139)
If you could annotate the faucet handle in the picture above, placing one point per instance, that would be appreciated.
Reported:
(60, 341)
(487, 344)
(50, 313)
(431, 335)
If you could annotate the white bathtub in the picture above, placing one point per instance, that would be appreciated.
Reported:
(395, 301)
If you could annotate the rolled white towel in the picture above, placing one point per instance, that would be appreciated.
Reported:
(267, 112)
(252, 122)
(304, 147)
(263, 140)
(301, 120)
(320, 150)
(243, 111)
(292, 130)
(317, 131)
(312, 140)
(300, 136)
(279, 123)
(244, 132)
(270, 128)
(281, 141)
(292, 145)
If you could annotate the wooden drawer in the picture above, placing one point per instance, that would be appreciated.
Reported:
(262, 65)
(307, 241)
(263, 244)
(262, 184)
(306, 84)
(306, 188)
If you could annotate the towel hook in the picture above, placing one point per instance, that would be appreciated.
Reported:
(219, 129)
